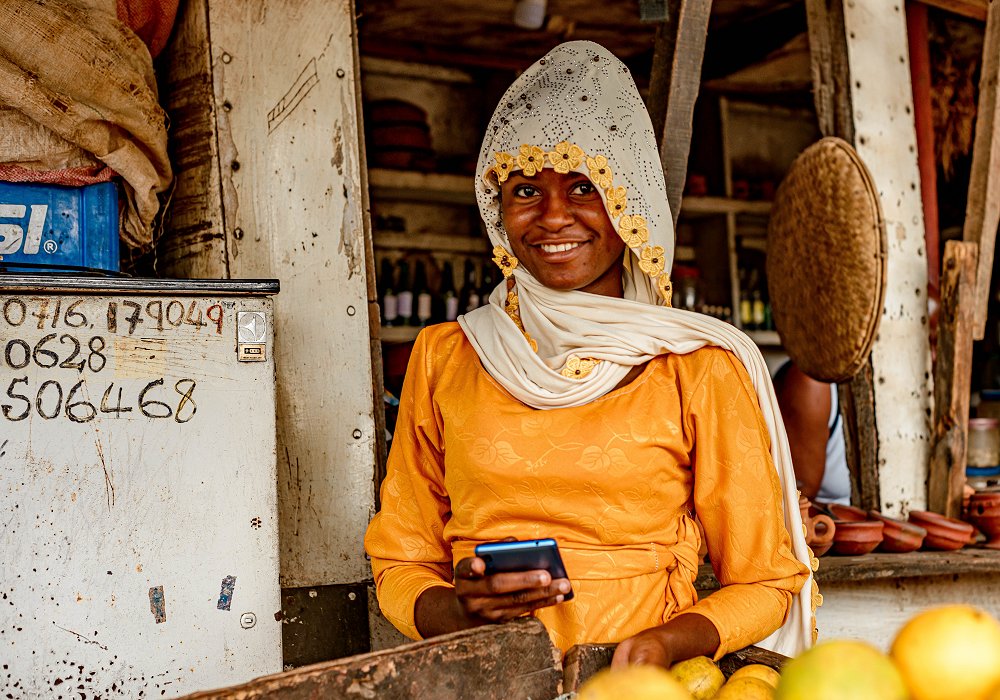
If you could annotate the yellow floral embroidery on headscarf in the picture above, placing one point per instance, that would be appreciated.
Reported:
(651, 260)
(616, 201)
(666, 287)
(566, 156)
(504, 260)
(578, 367)
(600, 171)
(505, 165)
(632, 230)
(531, 159)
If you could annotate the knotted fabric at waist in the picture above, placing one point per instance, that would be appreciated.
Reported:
(603, 562)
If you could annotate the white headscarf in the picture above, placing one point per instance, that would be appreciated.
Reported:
(578, 109)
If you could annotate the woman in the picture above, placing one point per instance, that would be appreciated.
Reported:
(577, 405)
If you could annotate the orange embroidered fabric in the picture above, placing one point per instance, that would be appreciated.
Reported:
(615, 481)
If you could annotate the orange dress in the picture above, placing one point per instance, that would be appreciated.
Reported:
(616, 482)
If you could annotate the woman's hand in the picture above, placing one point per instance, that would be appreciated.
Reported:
(684, 637)
(500, 598)
(478, 599)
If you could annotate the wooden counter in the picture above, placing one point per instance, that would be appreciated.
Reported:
(879, 567)
(872, 596)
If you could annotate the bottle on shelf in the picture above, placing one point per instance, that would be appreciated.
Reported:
(448, 298)
(387, 293)
(746, 303)
(468, 297)
(422, 310)
(404, 298)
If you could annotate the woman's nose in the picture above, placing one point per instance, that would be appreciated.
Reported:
(557, 212)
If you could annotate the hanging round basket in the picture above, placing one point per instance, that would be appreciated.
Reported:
(826, 261)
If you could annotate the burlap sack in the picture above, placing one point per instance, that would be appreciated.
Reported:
(71, 67)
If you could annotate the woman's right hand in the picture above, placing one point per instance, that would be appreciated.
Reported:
(497, 598)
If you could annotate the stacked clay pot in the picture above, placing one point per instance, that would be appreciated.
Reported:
(984, 513)
(943, 534)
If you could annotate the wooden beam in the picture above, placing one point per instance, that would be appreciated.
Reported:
(982, 209)
(830, 69)
(952, 376)
(515, 661)
(674, 83)
(923, 118)
(832, 94)
(857, 406)
(973, 9)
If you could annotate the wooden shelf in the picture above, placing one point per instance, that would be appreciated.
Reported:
(703, 206)
(443, 242)
(399, 334)
(412, 186)
(766, 339)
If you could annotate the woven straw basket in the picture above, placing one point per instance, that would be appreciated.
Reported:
(826, 261)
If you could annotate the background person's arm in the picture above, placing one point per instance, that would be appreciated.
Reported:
(805, 409)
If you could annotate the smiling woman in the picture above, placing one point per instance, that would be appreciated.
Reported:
(559, 230)
(577, 405)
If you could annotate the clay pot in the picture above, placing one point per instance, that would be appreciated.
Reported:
(851, 513)
(898, 535)
(984, 504)
(820, 529)
(942, 533)
(989, 525)
(854, 538)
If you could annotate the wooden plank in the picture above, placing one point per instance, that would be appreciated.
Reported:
(135, 286)
(973, 9)
(412, 186)
(681, 46)
(857, 406)
(432, 241)
(193, 243)
(292, 186)
(516, 661)
(879, 566)
(923, 120)
(952, 379)
(982, 208)
(830, 68)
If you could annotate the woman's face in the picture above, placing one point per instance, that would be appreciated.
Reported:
(558, 229)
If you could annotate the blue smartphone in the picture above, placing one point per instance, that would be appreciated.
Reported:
(523, 555)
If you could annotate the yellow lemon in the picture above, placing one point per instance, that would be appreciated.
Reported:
(764, 673)
(636, 682)
(952, 651)
(745, 689)
(700, 676)
(840, 669)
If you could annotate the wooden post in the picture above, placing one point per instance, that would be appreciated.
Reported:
(952, 375)
(982, 209)
(674, 83)
(832, 95)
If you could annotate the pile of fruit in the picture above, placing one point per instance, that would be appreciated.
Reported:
(945, 653)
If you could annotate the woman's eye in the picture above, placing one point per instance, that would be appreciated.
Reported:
(525, 191)
(584, 188)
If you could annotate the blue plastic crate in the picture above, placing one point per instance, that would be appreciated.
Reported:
(58, 228)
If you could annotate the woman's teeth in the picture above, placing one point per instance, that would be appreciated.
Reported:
(559, 248)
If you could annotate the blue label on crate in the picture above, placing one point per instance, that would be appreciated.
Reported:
(59, 227)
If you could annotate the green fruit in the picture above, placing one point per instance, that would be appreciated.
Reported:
(841, 669)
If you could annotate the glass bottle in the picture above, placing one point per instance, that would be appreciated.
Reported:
(405, 295)
(468, 297)
(387, 294)
(447, 294)
(421, 296)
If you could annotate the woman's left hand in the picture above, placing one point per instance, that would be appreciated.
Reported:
(684, 637)
(648, 647)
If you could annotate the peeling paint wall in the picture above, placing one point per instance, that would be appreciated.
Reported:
(886, 141)
(285, 93)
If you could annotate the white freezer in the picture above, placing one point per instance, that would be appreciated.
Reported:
(137, 487)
